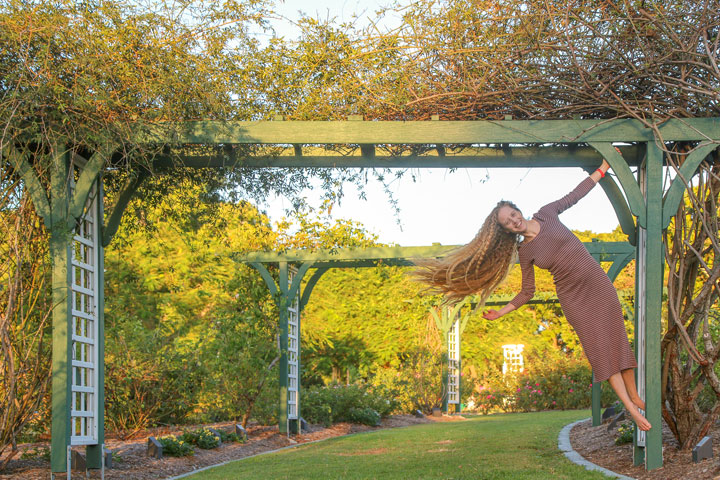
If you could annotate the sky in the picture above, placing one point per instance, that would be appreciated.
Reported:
(440, 206)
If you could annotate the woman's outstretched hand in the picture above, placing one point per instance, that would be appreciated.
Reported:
(491, 315)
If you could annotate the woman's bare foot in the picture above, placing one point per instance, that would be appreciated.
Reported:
(638, 403)
(639, 420)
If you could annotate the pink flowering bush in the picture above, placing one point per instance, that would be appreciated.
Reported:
(491, 399)
(563, 386)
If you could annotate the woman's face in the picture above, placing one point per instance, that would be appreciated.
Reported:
(511, 220)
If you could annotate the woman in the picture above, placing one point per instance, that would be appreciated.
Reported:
(587, 296)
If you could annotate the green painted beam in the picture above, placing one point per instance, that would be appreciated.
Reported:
(469, 157)
(426, 132)
(374, 253)
(596, 399)
(123, 199)
(674, 195)
(310, 285)
(269, 281)
(625, 177)
(88, 175)
(294, 289)
(618, 264)
(59, 241)
(622, 211)
(653, 307)
(37, 192)
(605, 250)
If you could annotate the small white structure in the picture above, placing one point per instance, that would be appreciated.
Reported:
(513, 359)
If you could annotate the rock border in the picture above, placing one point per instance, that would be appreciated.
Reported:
(566, 447)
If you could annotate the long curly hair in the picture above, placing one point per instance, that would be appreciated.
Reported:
(476, 268)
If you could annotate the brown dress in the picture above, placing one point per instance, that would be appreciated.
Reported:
(587, 296)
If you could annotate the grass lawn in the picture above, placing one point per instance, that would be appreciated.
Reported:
(509, 446)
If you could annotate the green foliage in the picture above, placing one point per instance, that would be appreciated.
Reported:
(25, 316)
(493, 399)
(374, 315)
(346, 403)
(191, 334)
(202, 438)
(563, 385)
(364, 416)
(470, 59)
(226, 437)
(625, 433)
(175, 447)
(554, 389)
(417, 382)
(33, 453)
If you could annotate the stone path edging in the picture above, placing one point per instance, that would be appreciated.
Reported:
(565, 446)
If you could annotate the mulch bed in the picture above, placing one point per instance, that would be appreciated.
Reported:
(135, 464)
(597, 445)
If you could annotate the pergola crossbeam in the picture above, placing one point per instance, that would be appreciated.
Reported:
(448, 157)
(433, 132)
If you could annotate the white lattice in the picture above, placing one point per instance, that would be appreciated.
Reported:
(454, 363)
(85, 290)
(513, 361)
(293, 407)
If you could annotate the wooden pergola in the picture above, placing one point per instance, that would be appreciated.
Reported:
(74, 215)
(292, 294)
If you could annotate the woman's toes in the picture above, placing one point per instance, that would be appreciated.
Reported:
(640, 420)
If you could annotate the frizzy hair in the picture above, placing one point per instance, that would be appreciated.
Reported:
(476, 268)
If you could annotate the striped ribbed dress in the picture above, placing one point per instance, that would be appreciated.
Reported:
(587, 296)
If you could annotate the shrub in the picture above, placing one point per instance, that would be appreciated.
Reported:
(175, 447)
(365, 416)
(41, 452)
(564, 385)
(230, 437)
(416, 384)
(316, 412)
(491, 399)
(202, 438)
(347, 403)
(625, 433)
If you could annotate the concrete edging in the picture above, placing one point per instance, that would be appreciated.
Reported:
(565, 446)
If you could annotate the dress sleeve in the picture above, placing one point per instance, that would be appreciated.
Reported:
(528, 283)
(559, 206)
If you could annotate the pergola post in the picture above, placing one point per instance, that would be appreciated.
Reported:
(652, 306)
(451, 322)
(290, 303)
(76, 252)
(61, 338)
